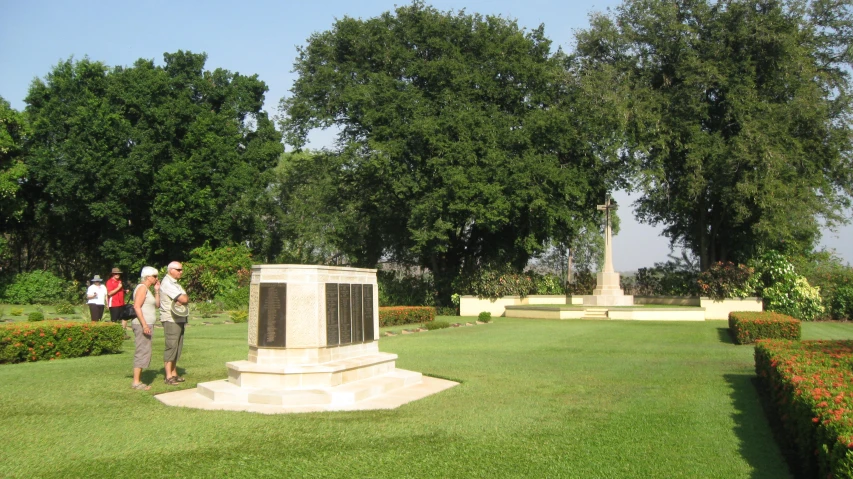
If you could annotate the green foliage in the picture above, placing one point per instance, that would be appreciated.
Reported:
(397, 315)
(546, 283)
(436, 324)
(397, 288)
(830, 274)
(583, 283)
(212, 272)
(16, 311)
(49, 340)
(494, 283)
(235, 298)
(35, 316)
(65, 308)
(459, 143)
(445, 311)
(749, 327)
(40, 287)
(239, 316)
(738, 117)
(841, 305)
(141, 164)
(676, 277)
(484, 317)
(206, 309)
(783, 290)
(728, 280)
(14, 131)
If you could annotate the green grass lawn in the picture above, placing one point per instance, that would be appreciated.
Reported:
(575, 399)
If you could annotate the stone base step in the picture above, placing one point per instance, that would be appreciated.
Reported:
(595, 313)
(349, 393)
(192, 399)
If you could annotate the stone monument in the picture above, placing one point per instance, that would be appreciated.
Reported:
(313, 346)
(607, 291)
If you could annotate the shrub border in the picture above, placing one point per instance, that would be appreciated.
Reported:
(810, 386)
(746, 327)
(57, 339)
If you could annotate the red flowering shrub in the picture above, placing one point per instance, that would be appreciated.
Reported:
(727, 280)
(810, 384)
(48, 340)
(396, 315)
(748, 327)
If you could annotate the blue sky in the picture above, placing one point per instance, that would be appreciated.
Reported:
(260, 37)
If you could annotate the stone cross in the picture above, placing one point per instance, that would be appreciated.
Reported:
(608, 248)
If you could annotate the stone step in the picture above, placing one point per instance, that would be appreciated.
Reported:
(345, 394)
(595, 313)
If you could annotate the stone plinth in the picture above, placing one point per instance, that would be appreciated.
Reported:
(313, 346)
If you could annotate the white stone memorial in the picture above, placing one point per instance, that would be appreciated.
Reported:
(313, 346)
(608, 291)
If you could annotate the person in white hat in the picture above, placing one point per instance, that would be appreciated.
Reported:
(96, 296)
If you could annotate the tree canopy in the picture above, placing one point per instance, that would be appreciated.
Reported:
(138, 164)
(458, 141)
(739, 123)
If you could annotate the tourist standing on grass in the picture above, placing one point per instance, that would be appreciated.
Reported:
(173, 324)
(96, 295)
(115, 292)
(145, 304)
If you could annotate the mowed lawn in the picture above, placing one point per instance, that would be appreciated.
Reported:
(575, 399)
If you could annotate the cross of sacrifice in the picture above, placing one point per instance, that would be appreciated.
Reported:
(607, 207)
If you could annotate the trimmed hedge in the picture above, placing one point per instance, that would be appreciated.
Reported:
(49, 340)
(748, 327)
(397, 315)
(810, 386)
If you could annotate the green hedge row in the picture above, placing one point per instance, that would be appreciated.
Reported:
(810, 385)
(748, 327)
(49, 340)
(397, 315)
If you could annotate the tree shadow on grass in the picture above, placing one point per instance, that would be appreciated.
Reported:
(757, 445)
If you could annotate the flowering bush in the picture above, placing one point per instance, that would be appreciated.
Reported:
(727, 280)
(397, 315)
(784, 291)
(49, 340)
(748, 327)
(810, 384)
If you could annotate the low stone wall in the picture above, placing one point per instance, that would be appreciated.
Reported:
(714, 309)
(672, 300)
(473, 306)
(721, 309)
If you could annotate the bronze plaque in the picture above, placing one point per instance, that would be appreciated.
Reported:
(272, 315)
(345, 313)
(333, 336)
(367, 302)
(357, 318)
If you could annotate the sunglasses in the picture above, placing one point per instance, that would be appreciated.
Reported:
(178, 269)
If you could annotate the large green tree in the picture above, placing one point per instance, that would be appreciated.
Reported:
(458, 142)
(739, 119)
(139, 164)
(13, 134)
